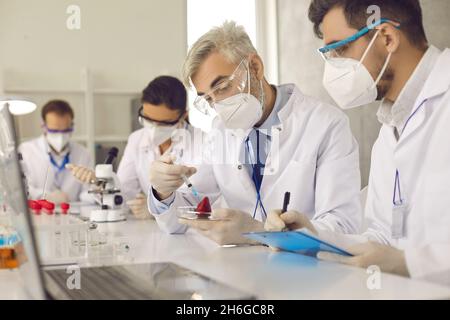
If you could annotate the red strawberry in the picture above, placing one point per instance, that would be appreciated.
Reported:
(204, 206)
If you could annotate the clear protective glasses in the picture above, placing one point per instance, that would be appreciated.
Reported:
(227, 87)
(338, 49)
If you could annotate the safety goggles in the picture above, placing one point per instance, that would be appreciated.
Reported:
(337, 49)
(225, 88)
(142, 117)
(69, 130)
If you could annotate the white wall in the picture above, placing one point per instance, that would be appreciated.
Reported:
(124, 44)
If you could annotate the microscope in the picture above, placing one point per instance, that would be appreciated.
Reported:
(107, 194)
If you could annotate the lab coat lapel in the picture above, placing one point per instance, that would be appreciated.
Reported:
(245, 179)
(437, 84)
(43, 146)
(389, 137)
(415, 120)
(144, 144)
(277, 159)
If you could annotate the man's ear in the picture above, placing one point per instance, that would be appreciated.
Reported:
(390, 35)
(256, 66)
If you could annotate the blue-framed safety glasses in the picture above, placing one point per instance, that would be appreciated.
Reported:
(335, 50)
(69, 130)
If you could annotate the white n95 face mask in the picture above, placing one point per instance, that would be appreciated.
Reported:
(349, 82)
(241, 111)
(58, 141)
(159, 134)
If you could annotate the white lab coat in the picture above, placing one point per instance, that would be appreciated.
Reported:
(36, 161)
(134, 168)
(422, 156)
(318, 164)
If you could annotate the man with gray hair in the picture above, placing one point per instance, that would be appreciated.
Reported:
(311, 143)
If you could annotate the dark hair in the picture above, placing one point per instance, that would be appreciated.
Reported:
(60, 107)
(407, 12)
(166, 90)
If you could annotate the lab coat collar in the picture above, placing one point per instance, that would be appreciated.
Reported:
(283, 112)
(273, 118)
(439, 80)
(396, 113)
(144, 142)
(295, 95)
(42, 142)
(437, 84)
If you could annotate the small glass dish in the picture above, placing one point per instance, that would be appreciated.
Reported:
(191, 213)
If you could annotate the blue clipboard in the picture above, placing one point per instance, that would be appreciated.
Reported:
(295, 241)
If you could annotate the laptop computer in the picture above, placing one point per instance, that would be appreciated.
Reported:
(140, 281)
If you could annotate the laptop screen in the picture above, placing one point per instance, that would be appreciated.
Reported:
(14, 197)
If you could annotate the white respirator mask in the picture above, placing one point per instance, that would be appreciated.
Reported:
(241, 111)
(349, 82)
(235, 106)
(58, 141)
(158, 134)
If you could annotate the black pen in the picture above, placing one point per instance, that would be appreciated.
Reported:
(287, 198)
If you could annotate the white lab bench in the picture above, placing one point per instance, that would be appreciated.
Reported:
(256, 270)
